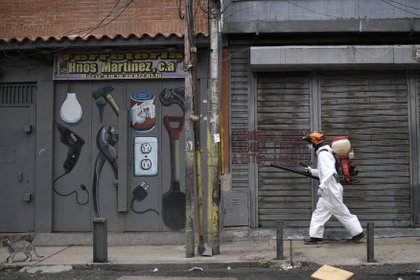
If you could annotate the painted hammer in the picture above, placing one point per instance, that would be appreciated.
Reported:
(105, 92)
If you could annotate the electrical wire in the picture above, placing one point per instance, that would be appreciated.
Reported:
(102, 23)
(197, 6)
(89, 30)
(180, 15)
(142, 212)
(404, 5)
(83, 187)
(399, 8)
(233, 53)
(310, 10)
(112, 20)
(286, 1)
(107, 16)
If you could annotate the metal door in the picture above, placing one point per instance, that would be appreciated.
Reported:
(283, 107)
(16, 170)
(372, 108)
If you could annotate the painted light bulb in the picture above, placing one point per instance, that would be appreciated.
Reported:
(71, 111)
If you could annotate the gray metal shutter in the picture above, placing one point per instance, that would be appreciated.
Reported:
(240, 108)
(371, 108)
(237, 204)
(283, 118)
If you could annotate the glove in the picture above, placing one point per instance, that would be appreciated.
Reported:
(320, 191)
(309, 170)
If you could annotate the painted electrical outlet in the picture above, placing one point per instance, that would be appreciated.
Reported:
(145, 156)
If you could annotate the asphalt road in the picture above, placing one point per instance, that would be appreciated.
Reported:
(176, 272)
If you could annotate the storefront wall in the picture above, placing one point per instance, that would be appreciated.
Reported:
(376, 108)
(66, 165)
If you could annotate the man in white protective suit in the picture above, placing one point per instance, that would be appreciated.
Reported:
(330, 193)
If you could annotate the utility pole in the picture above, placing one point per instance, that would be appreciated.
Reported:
(190, 51)
(197, 137)
(213, 133)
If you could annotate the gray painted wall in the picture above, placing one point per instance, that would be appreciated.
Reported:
(16, 68)
(317, 15)
(31, 70)
(291, 10)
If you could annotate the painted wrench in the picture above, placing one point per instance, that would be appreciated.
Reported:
(106, 140)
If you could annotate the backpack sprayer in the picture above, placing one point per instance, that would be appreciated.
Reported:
(346, 170)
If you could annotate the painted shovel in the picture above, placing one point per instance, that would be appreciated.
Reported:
(173, 203)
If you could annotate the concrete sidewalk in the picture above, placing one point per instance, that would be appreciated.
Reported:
(396, 250)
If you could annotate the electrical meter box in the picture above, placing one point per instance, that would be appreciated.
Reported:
(145, 156)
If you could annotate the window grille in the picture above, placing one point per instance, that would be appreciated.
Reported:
(17, 93)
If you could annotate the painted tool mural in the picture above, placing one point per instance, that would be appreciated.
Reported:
(142, 119)
(139, 194)
(143, 135)
(106, 140)
(71, 111)
(74, 143)
(173, 201)
(142, 109)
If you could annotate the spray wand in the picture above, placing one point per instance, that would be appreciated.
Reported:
(288, 169)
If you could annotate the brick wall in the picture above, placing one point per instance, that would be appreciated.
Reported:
(46, 19)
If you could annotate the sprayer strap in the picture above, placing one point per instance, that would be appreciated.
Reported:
(323, 150)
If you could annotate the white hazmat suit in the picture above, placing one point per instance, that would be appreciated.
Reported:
(331, 197)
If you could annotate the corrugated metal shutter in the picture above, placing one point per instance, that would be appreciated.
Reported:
(372, 109)
(240, 107)
(283, 118)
